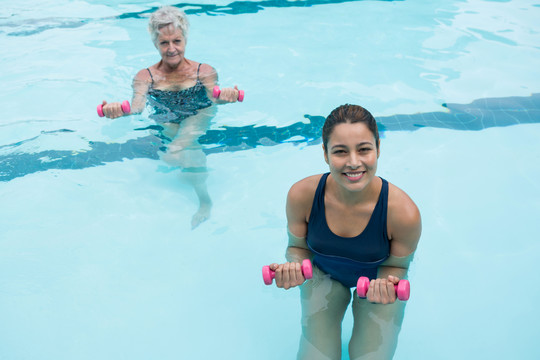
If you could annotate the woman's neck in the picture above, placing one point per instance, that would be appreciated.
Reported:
(181, 67)
(351, 198)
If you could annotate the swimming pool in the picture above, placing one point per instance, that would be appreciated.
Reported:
(97, 259)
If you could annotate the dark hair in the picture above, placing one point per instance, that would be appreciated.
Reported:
(349, 114)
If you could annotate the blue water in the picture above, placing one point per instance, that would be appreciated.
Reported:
(97, 259)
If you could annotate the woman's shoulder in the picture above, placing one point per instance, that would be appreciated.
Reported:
(206, 70)
(404, 220)
(300, 200)
(144, 75)
(304, 190)
(207, 74)
(400, 204)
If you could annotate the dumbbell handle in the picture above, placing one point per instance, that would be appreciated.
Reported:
(403, 288)
(217, 91)
(269, 275)
(126, 108)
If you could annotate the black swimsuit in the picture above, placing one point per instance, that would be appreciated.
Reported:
(346, 259)
(174, 106)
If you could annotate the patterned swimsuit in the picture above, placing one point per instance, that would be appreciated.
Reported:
(175, 106)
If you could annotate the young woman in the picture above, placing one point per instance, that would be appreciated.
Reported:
(179, 91)
(350, 223)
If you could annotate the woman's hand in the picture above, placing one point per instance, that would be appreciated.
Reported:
(229, 95)
(112, 110)
(288, 275)
(382, 291)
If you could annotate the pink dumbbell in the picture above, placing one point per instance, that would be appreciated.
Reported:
(125, 108)
(217, 91)
(403, 288)
(269, 275)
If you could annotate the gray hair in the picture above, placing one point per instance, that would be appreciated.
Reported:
(167, 15)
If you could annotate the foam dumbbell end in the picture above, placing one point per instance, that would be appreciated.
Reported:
(403, 288)
(126, 108)
(217, 91)
(269, 275)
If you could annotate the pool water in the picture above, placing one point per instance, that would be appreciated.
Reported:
(97, 258)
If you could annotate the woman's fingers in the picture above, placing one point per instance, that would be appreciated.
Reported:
(373, 295)
(288, 275)
(112, 110)
(296, 274)
(382, 291)
(389, 293)
(282, 276)
(229, 94)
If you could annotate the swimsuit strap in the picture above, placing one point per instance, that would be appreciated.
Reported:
(198, 71)
(318, 200)
(150, 75)
(383, 200)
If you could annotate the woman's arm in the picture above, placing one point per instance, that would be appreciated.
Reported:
(209, 78)
(297, 209)
(404, 229)
(298, 206)
(141, 84)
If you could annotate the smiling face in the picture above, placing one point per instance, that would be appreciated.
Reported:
(352, 153)
(171, 44)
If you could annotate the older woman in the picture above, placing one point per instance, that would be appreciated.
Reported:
(179, 91)
(351, 223)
